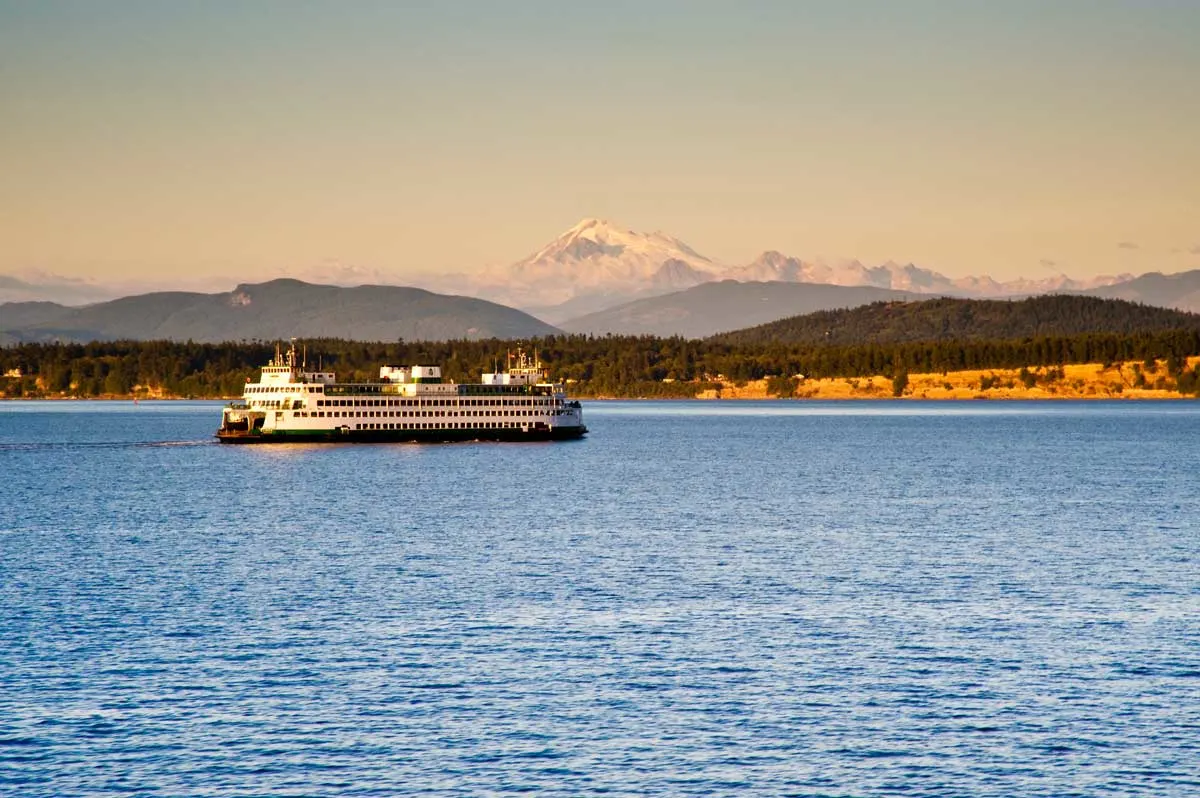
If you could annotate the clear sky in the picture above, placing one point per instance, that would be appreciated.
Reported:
(244, 138)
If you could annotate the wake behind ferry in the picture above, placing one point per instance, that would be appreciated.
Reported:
(289, 403)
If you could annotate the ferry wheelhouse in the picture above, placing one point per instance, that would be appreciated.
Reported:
(409, 403)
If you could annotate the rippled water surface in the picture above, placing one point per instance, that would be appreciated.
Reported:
(742, 599)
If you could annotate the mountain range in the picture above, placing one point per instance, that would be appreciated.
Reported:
(597, 264)
(596, 277)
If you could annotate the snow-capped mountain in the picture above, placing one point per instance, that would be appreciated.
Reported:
(775, 266)
(986, 286)
(598, 257)
(771, 266)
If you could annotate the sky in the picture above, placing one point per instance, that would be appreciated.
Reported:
(230, 139)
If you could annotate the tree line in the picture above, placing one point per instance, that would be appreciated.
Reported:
(610, 365)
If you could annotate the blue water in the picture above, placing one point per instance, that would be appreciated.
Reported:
(988, 599)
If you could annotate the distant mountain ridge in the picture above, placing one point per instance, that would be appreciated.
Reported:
(46, 288)
(1180, 291)
(956, 319)
(713, 307)
(274, 310)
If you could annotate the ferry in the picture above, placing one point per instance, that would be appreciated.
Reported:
(290, 403)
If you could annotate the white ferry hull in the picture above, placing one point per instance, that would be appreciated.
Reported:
(345, 435)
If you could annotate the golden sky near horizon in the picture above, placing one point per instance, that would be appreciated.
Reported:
(148, 139)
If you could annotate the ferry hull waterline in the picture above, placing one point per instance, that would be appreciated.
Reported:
(291, 404)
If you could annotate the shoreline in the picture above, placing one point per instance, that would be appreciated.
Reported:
(1143, 396)
(1130, 381)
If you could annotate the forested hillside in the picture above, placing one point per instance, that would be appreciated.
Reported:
(266, 311)
(946, 319)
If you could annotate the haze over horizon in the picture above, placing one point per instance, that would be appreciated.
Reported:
(146, 141)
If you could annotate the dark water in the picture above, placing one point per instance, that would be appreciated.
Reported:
(741, 599)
